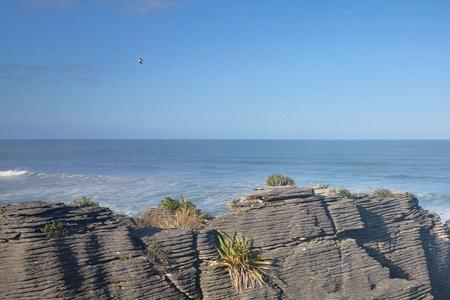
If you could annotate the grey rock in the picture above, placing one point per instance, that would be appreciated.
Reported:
(99, 259)
(323, 247)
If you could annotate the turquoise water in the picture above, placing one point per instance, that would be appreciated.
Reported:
(130, 175)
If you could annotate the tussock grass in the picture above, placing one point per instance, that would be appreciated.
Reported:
(186, 216)
(383, 193)
(150, 218)
(245, 267)
(169, 205)
(173, 213)
(84, 202)
(55, 230)
(345, 193)
(279, 180)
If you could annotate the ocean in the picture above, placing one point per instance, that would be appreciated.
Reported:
(131, 175)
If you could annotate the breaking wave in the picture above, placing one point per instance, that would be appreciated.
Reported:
(12, 173)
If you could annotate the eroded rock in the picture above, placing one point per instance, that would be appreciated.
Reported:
(323, 247)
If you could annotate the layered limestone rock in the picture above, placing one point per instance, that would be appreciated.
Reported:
(99, 258)
(322, 245)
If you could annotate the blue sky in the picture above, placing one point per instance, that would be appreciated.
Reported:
(224, 69)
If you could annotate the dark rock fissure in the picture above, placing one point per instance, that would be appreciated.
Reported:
(72, 276)
(101, 278)
(197, 263)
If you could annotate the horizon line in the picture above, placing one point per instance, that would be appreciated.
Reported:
(224, 139)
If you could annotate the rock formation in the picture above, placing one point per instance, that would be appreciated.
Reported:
(323, 246)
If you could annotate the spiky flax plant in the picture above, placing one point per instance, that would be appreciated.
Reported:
(245, 267)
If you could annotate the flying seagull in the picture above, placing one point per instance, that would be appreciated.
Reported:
(141, 60)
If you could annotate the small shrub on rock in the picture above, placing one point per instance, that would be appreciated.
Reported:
(84, 202)
(186, 204)
(245, 267)
(279, 180)
(187, 217)
(2, 211)
(345, 193)
(173, 213)
(55, 230)
(383, 193)
(169, 205)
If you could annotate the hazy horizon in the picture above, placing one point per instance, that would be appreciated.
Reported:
(217, 139)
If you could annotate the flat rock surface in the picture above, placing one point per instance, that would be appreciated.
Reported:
(323, 247)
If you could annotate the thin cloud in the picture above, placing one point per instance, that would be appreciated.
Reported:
(57, 3)
(133, 6)
(84, 72)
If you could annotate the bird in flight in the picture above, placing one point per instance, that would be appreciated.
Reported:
(141, 61)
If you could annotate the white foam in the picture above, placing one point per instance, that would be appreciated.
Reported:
(12, 173)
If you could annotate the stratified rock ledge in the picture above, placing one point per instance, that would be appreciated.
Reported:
(324, 247)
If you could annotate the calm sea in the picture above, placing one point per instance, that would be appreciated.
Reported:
(130, 175)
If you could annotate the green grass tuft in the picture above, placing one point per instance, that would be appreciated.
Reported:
(245, 267)
(345, 193)
(186, 203)
(2, 211)
(169, 205)
(174, 213)
(383, 193)
(186, 216)
(124, 257)
(55, 230)
(84, 202)
(279, 180)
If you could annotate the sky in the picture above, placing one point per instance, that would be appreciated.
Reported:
(224, 69)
